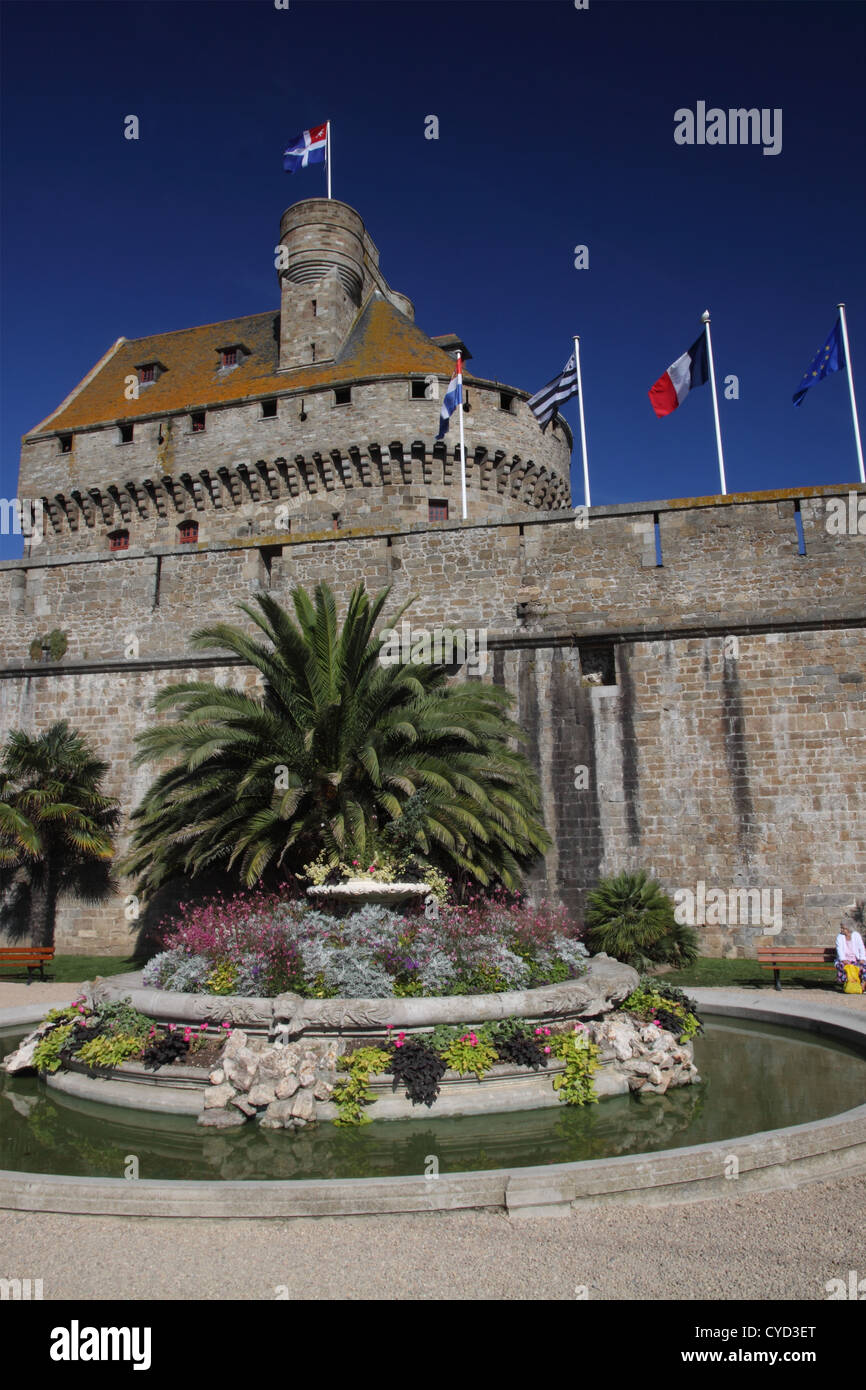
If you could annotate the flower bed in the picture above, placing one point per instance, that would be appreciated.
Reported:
(259, 945)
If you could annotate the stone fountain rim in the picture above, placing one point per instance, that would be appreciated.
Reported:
(581, 997)
(769, 1161)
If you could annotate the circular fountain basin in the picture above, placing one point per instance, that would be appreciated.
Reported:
(656, 1149)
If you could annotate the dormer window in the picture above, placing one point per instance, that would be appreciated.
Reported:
(229, 357)
(149, 372)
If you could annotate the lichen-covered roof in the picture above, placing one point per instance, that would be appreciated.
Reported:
(382, 342)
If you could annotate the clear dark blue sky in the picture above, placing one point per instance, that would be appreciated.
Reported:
(556, 129)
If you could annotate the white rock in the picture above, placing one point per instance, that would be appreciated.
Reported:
(261, 1095)
(219, 1097)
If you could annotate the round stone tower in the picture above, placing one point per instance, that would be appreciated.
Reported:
(322, 416)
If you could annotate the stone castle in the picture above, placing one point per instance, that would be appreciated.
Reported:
(689, 673)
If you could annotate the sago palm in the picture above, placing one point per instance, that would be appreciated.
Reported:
(328, 754)
(55, 829)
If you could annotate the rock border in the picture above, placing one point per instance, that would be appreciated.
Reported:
(768, 1161)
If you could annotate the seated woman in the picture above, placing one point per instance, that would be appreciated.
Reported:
(850, 958)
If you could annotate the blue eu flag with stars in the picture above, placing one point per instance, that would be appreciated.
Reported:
(830, 358)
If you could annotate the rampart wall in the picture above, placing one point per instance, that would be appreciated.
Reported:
(704, 718)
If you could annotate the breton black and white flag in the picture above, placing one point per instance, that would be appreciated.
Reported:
(545, 403)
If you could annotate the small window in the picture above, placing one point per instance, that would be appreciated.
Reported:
(335, 521)
(187, 532)
(597, 663)
(506, 401)
(126, 434)
(343, 395)
(315, 310)
(269, 410)
(419, 391)
(118, 540)
(198, 422)
(437, 509)
(66, 443)
(146, 374)
(229, 357)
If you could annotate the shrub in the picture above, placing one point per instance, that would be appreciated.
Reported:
(575, 1085)
(654, 1002)
(274, 944)
(416, 1066)
(631, 918)
(353, 1094)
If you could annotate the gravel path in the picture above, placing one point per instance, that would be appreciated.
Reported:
(15, 996)
(760, 1246)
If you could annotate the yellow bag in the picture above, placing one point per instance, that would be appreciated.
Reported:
(852, 983)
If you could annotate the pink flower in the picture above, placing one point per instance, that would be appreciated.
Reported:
(547, 1049)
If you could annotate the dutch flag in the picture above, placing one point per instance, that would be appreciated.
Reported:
(453, 398)
(310, 147)
(689, 370)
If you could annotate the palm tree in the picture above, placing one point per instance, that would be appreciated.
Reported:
(336, 750)
(632, 918)
(55, 829)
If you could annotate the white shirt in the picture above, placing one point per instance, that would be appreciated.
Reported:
(852, 950)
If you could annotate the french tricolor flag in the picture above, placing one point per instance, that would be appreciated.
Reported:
(452, 398)
(692, 369)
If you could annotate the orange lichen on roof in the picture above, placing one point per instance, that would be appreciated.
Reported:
(382, 342)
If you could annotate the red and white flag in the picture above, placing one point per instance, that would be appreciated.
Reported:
(690, 370)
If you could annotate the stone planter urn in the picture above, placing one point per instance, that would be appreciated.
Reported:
(355, 892)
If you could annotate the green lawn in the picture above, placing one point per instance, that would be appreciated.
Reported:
(710, 970)
(77, 968)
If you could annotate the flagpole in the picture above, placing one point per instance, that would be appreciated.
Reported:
(462, 445)
(582, 422)
(328, 154)
(844, 322)
(705, 319)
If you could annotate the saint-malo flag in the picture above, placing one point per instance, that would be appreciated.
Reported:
(690, 370)
(307, 148)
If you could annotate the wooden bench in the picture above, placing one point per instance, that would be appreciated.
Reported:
(778, 958)
(33, 957)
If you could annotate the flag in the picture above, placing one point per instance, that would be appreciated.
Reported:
(307, 148)
(453, 397)
(544, 403)
(829, 358)
(690, 370)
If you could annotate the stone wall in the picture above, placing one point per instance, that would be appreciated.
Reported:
(246, 474)
(704, 718)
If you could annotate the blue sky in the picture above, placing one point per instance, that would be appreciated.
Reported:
(556, 129)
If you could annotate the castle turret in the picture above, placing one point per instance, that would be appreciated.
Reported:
(330, 267)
